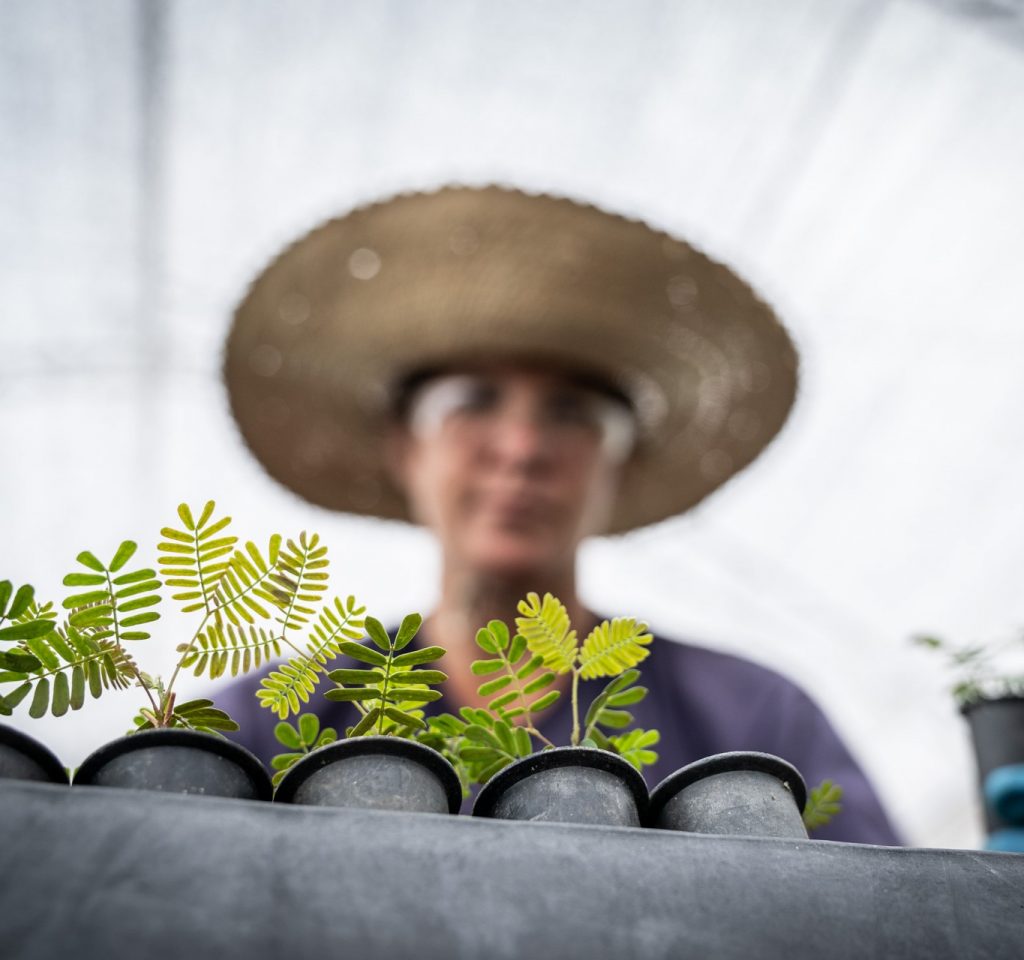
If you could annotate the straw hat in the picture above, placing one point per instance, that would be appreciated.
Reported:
(427, 281)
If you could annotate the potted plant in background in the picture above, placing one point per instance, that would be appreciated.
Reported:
(378, 764)
(594, 780)
(991, 698)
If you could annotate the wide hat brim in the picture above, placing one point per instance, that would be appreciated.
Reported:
(432, 281)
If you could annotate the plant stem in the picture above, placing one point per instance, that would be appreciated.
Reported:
(117, 640)
(212, 607)
(534, 732)
(185, 653)
(575, 707)
(384, 687)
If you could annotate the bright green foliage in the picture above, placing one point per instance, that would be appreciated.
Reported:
(635, 747)
(199, 715)
(823, 803)
(389, 690)
(523, 668)
(446, 734)
(300, 741)
(107, 606)
(389, 726)
(545, 625)
(292, 683)
(477, 743)
(977, 675)
(523, 677)
(304, 569)
(491, 743)
(606, 709)
(215, 652)
(113, 604)
(211, 575)
(610, 648)
(613, 647)
(20, 626)
(232, 590)
(59, 667)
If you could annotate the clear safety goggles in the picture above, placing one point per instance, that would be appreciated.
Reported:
(471, 406)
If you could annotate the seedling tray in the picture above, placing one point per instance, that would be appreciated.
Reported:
(92, 872)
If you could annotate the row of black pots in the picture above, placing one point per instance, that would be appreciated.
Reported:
(749, 794)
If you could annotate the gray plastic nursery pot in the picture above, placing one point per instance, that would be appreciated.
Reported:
(374, 773)
(177, 761)
(567, 785)
(24, 758)
(738, 794)
(997, 732)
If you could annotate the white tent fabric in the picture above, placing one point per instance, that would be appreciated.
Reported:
(859, 161)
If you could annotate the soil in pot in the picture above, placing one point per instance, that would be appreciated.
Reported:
(24, 758)
(997, 732)
(567, 785)
(375, 773)
(740, 794)
(177, 761)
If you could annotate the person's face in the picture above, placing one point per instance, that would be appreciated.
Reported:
(512, 467)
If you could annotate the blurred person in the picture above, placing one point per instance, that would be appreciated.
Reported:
(518, 372)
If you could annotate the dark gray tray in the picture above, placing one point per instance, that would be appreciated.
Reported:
(92, 872)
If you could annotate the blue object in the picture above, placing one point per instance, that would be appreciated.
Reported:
(1004, 793)
(1010, 840)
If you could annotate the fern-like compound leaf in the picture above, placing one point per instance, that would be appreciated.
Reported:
(635, 747)
(247, 586)
(823, 803)
(394, 691)
(613, 647)
(192, 560)
(523, 676)
(301, 566)
(109, 608)
(545, 625)
(337, 626)
(57, 667)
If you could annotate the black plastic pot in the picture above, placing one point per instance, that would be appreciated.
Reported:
(567, 785)
(24, 758)
(177, 761)
(374, 773)
(739, 794)
(997, 730)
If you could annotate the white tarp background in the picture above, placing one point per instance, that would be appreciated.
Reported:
(860, 162)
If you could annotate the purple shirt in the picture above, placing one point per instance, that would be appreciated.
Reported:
(702, 701)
